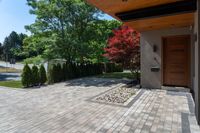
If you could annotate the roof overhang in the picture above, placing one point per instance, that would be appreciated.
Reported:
(145, 15)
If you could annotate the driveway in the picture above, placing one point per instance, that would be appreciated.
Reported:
(5, 76)
(10, 76)
(66, 107)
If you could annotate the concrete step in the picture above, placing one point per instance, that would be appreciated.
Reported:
(177, 89)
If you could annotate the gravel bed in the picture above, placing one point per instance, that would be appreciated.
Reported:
(118, 95)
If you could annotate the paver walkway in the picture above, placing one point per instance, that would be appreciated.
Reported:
(65, 107)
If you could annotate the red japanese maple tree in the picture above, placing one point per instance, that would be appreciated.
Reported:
(123, 47)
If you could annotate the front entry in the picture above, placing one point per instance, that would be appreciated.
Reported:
(176, 61)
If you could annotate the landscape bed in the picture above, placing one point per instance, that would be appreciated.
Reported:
(121, 95)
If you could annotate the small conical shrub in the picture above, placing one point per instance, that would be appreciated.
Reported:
(81, 70)
(42, 75)
(70, 71)
(76, 70)
(54, 74)
(35, 76)
(26, 76)
(59, 73)
(64, 71)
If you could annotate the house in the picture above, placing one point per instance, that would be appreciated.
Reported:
(169, 40)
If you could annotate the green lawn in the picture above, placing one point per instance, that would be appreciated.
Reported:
(9, 70)
(118, 75)
(12, 84)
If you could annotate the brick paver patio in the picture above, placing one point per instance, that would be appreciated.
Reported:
(66, 107)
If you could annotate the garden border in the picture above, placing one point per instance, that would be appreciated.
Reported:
(133, 98)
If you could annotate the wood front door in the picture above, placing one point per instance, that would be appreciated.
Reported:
(176, 61)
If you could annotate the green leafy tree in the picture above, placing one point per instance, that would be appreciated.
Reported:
(13, 46)
(18, 51)
(35, 75)
(12, 43)
(100, 31)
(42, 75)
(1, 51)
(69, 29)
(6, 49)
(60, 25)
(26, 76)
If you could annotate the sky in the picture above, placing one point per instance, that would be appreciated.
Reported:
(15, 15)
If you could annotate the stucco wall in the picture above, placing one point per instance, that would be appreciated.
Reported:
(196, 68)
(150, 59)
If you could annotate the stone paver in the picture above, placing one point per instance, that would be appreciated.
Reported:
(65, 108)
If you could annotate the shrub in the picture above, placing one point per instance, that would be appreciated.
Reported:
(77, 71)
(113, 67)
(50, 76)
(68, 71)
(57, 73)
(118, 68)
(84, 70)
(99, 68)
(71, 71)
(35, 76)
(34, 60)
(80, 70)
(64, 71)
(26, 76)
(109, 67)
(42, 75)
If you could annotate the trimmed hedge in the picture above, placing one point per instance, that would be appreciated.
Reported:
(42, 75)
(61, 72)
(112, 67)
(34, 76)
(58, 72)
(26, 76)
(118, 68)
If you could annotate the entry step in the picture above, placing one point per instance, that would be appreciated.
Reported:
(177, 89)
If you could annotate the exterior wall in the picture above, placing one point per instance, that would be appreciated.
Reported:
(198, 42)
(195, 76)
(196, 80)
(150, 59)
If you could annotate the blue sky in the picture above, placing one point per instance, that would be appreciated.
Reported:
(14, 16)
